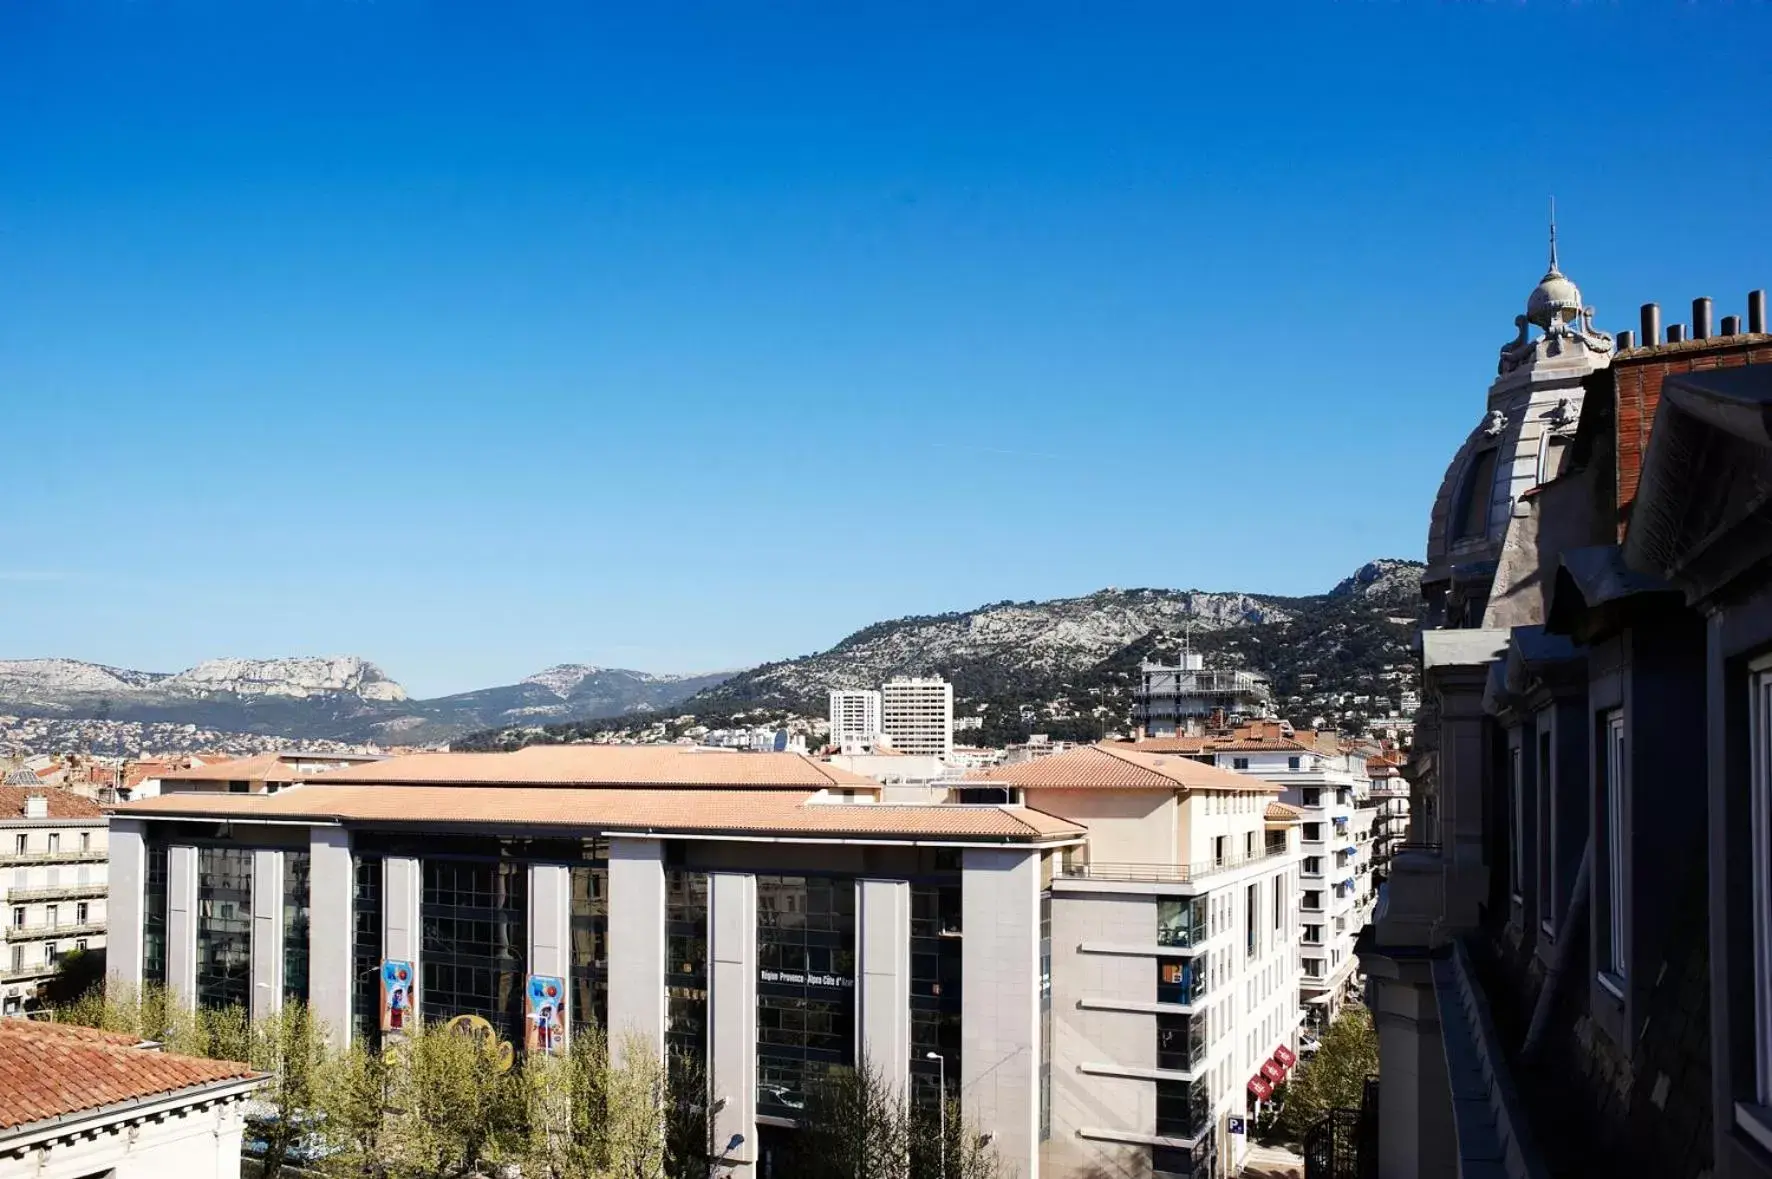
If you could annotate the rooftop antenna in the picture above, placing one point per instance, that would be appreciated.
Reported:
(1553, 236)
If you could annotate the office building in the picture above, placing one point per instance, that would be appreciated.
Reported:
(1188, 699)
(708, 901)
(53, 849)
(917, 715)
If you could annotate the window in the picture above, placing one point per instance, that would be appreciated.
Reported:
(18, 916)
(51, 954)
(1555, 459)
(1613, 824)
(18, 959)
(80, 945)
(55, 841)
(1470, 516)
(1313, 795)
(1313, 968)
(1313, 898)
(1517, 844)
(1313, 832)
(805, 986)
(236, 788)
(1218, 848)
(52, 915)
(1760, 812)
(20, 845)
(224, 927)
(1180, 982)
(1292, 763)
(366, 947)
(1279, 903)
(1252, 941)
(1180, 921)
(80, 913)
(1239, 763)
(1313, 865)
(1546, 786)
(1181, 1041)
(1174, 1161)
(686, 955)
(1313, 935)
(85, 841)
(1183, 1110)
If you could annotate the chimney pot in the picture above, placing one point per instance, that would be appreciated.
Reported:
(1701, 318)
(1626, 341)
(1676, 333)
(1731, 325)
(1651, 317)
(1756, 311)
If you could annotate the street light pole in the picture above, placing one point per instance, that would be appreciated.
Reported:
(942, 1072)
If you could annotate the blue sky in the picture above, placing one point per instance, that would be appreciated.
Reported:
(472, 338)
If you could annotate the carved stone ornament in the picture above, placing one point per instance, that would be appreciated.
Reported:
(1496, 423)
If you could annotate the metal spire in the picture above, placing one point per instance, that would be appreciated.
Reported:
(1553, 236)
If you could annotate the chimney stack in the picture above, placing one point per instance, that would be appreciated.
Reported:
(1676, 333)
(1731, 325)
(36, 806)
(1651, 324)
(1756, 311)
(1701, 319)
(1626, 341)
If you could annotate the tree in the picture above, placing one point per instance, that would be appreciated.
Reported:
(857, 1126)
(455, 1110)
(634, 1113)
(967, 1155)
(689, 1131)
(77, 973)
(354, 1092)
(1335, 1077)
(291, 1046)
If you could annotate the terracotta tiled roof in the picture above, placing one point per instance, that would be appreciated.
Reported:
(606, 765)
(50, 1070)
(1226, 744)
(63, 804)
(615, 809)
(1279, 812)
(1121, 766)
(262, 767)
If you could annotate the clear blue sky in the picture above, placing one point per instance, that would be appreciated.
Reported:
(472, 338)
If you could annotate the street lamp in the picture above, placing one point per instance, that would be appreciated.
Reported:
(736, 1142)
(942, 1072)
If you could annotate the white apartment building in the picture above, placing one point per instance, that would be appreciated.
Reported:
(1174, 950)
(53, 850)
(917, 715)
(855, 717)
(1332, 794)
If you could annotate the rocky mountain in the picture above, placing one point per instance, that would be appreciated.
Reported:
(1068, 667)
(343, 699)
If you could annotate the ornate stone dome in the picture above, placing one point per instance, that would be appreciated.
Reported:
(1555, 299)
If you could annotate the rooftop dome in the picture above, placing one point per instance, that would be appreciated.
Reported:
(1554, 299)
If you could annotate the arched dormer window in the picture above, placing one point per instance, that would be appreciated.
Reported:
(1470, 518)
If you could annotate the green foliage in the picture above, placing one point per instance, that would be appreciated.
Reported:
(78, 972)
(1335, 1077)
(855, 1126)
(291, 1047)
(456, 1113)
(354, 1093)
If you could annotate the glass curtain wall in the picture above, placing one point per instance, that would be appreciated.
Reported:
(805, 986)
(224, 927)
(935, 987)
(590, 938)
(686, 958)
(366, 948)
(295, 926)
(154, 917)
(475, 920)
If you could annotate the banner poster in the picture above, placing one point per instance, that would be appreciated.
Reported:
(396, 995)
(544, 1023)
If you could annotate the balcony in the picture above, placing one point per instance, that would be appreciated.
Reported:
(1135, 873)
(60, 892)
(66, 929)
(26, 973)
(75, 856)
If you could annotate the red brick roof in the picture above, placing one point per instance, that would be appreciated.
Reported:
(49, 1070)
(1121, 766)
(1279, 812)
(63, 804)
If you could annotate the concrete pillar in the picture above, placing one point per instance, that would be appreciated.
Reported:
(181, 925)
(124, 906)
(1416, 1136)
(331, 928)
(732, 1012)
(402, 886)
(550, 925)
(883, 991)
(636, 944)
(267, 932)
(1000, 1003)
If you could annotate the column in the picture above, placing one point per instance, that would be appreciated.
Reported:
(732, 1012)
(883, 990)
(331, 927)
(401, 889)
(550, 925)
(181, 925)
(636, 944)
(267, 932)
(128, 874)
(1416, 1134)
(1000, 1006)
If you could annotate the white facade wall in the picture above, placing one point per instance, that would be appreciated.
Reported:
(917, 715)
(51, 872)
(166, 1138)
(855, 716)
(1000, 1003)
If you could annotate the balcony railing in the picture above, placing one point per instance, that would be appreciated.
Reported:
(24, 973)
(64, 929)
(71, 856)
(58, 892)
(1145, 873)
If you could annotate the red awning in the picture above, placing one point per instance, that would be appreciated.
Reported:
(1285, 1056)
(1260, 1087)
(1273, 1070)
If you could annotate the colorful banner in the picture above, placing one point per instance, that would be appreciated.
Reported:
(544, 1022)
(396, 995)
